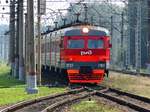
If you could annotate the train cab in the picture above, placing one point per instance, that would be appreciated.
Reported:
(86, 52)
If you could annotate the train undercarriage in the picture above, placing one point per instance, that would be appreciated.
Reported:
(56, 76)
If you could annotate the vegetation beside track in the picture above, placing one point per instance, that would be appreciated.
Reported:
(92, 106)
(135, 84)
(13, 91)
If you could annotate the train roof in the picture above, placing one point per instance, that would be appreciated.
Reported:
(77, 31)
(93, 31)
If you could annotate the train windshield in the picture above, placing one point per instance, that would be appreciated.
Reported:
(95, 44)
(76, 44)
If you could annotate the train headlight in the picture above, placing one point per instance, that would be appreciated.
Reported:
(85, 30)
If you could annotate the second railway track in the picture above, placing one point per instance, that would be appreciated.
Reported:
(131, 101)
(131, 72)
(54, 102)
(37, 105)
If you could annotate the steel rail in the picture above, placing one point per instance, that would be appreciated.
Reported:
(141, 98)
(67, 101)
(120, 98)
(131, 72)
(23, 104)
(123, 102)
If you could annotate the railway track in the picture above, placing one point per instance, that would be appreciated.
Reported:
(68, 101)
(131, 72)
(52, 103)
(131, 101)
(37, 105)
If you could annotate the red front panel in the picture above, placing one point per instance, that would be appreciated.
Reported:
(96, 77)
(86, 54)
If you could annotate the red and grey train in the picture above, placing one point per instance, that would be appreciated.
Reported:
(83, 51)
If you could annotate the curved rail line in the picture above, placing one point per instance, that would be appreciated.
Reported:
(38, 101)
(135, 102)
(131, 101)
(67, 101)
(131, 72)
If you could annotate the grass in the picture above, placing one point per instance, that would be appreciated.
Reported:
(13, 91)
(135, 84)
(92, 106)
(4, 68)
(17, 94)
(6, 81)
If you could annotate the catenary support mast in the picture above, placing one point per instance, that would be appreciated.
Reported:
(31, 77)
(39, 44)
(12, 36)
(21, 36)
(17, 43)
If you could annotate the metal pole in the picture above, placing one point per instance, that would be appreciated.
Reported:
(26, 47)
(129, 36)
(111, 33)
(99, 20)
(17, 44)
(7, 53)
(92, 22)
(122, 49)
(78, 14)
(86, 16)
(31, 77)
(5, 50)
(0, 48)
(39, 44)
(138, 38)
(56, 24)
(12, 36)
(21, 36)
(3, 58)
(64, 20)
(45, 49)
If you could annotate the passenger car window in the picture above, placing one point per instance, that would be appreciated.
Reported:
(75, 44)
(94, 44)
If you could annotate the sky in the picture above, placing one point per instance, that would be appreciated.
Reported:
(4, 12)
(50, 4)
(4, 9)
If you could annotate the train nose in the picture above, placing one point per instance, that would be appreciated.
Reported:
(85, 70)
